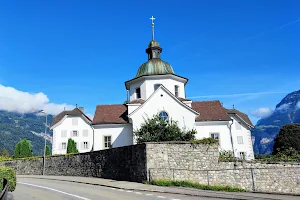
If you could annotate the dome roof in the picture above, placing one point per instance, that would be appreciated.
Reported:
(153, 43)
(154, 66)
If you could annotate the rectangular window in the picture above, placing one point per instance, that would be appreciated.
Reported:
(242, 155)
(85, 133)
(63, 145)
(176, 90)
(74, 133)
(107, 142)
(63, 133)
(238, 126)
(75, 122)
(138, 93)
(156, 86)
(240, 140)
(85, 145)
(215, 136)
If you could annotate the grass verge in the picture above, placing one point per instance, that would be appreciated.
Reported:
(190, 184)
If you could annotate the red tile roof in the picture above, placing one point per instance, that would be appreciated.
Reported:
(111, 114)
(241, 115)
(74, 112)
(210, 111)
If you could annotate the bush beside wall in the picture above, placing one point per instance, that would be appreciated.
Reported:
(10, 175)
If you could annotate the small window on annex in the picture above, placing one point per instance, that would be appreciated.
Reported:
(156, 86)
(215, 136)
(63, 145)
(176, 90)
(107, 142)
(163, 115)
(138, 93)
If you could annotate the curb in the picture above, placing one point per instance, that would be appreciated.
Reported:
(215, 195)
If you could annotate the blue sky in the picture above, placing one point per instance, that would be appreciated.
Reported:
(83, 51)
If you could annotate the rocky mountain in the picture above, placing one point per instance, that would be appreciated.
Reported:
(14, 127)
(266, 129)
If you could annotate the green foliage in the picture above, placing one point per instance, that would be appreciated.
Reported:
(195, 185)
(17, 152)
(4, 158)
(205, 141)
(48, 151)
(4, 152)
(14, 127)
(226, 156)
(288, 137)
(286, 155)
(10, 175)
(71, 148)
(157, 130)
(23, 149)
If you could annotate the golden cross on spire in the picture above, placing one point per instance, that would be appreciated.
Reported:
(152, 18)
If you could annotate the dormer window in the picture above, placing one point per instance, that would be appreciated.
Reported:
(156, 86)
(138, 93)
(176, 90)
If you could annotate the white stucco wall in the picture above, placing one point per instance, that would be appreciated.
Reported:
(147, 86)
(67, 126)
(241, 130)
(121, 135)
(162, 101)
(204, 129)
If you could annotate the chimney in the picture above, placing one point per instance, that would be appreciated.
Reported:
(82, 109)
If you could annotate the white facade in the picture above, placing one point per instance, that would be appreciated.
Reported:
(75, 127)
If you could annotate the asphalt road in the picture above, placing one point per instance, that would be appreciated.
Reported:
(50, 189)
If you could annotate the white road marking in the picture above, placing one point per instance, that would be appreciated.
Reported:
(73, 195)
(138, 193)
(149, 194)
(120, 190)
(175, 199)
(128, 191)
(113, 188)
(161, 197)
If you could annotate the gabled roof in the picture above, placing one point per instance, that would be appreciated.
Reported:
(111, 114)
(210, 111)
(169, 93)
(244, 117)
(74, 112)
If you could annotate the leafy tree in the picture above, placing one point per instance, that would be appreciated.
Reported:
(71, 148)
(156, 129)
(17, 152)
(25, 149)
(288, 137)
(4, 152)
(48, 152)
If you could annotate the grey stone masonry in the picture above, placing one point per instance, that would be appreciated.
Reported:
(168, 160)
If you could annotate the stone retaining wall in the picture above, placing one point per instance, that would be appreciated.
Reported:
(165, 160)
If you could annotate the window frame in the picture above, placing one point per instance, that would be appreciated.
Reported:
(76, 132)
(176, 90)
(138, 94)
(163, 111)
(63, 144)
(214, 133)
(241, 141)
(156, 86)
(104, 142)
(86, 145)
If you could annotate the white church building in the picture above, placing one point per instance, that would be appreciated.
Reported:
(156, 89)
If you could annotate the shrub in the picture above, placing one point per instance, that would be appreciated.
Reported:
(10, 175)
(23, 149)
(48, 151)
(156, 129)
(226, 156)
(205, 141)
(71, 148)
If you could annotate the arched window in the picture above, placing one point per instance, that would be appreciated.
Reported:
(163, 115)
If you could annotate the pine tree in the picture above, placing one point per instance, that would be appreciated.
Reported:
(25, 149)
(71, 148)
(48, 152)
(17, 150)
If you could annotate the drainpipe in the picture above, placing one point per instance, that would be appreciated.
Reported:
(231, 136)
(93, 146)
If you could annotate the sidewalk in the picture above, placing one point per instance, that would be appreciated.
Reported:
(125, 185)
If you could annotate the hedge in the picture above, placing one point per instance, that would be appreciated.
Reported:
(10, 175)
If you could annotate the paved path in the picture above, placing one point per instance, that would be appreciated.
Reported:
(94, 185)
(51, 189)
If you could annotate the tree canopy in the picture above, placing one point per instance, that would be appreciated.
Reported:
(156, 129)
(288, 137)
(48, 151)
(23, 149)
(71, 148)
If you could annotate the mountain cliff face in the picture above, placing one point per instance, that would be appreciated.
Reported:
(266, 129)
(14, 127)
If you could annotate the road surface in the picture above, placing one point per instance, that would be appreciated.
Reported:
(56, 190)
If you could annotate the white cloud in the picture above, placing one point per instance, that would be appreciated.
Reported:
(14, 100)
(283, 107)
(262, 112)
(298, 104)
